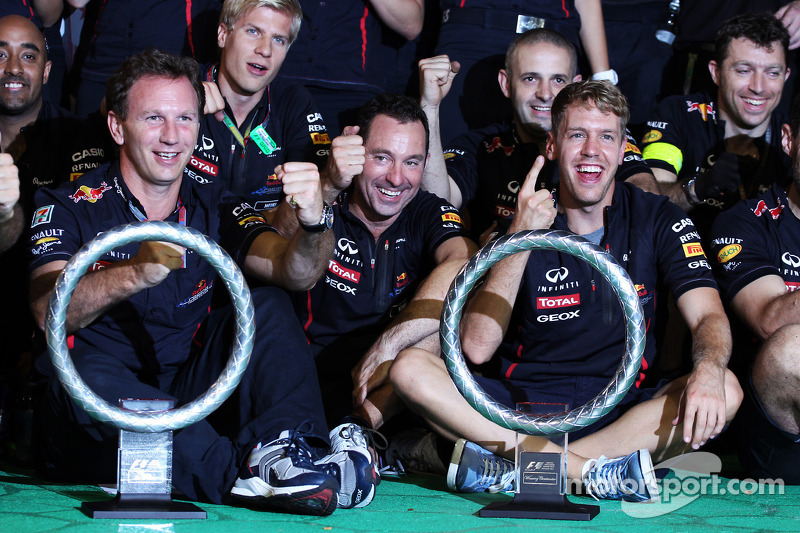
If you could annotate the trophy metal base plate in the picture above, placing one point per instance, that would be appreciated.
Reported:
(545, 507)
(159, 506)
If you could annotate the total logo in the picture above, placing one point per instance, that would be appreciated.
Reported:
(790, 259)
(557, 317)
(554, 302)
(342, 272)
(557, 274)
(348, 246)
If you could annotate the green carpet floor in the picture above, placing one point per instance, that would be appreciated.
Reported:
(409, 504)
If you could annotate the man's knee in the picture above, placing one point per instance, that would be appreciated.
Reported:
(409, 365)
(778, 358)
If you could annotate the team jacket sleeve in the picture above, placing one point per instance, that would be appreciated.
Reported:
(442, 222)
(633, 162)
(307, 138)
(740, 249)
(681, 258)
(54, 232)
(663, 143)
(461, 159)
(240, 224)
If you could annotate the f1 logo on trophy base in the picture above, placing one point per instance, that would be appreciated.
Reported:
(145, 444)
(541, 477)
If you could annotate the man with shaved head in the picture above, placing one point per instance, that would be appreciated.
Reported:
(48, 145)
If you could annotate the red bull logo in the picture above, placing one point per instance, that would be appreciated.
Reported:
(273, 178)
(89, 194)
(705, 110)
(402, 280)
(640, 290)
(495, 144)
(762, 208)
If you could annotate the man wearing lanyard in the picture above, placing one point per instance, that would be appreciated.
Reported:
(254, 122)
(145, 322)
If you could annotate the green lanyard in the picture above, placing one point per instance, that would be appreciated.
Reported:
(258, 134)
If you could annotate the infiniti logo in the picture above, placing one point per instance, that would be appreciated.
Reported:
(208, 144)
(557, 274)
(514, 187)
(347, 245)
(791, 260)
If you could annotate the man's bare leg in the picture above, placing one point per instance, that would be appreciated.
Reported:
(421, 380)
(649, 425)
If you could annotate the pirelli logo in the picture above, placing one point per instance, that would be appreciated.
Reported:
(451, 217)
(320, 138)
(693, 249)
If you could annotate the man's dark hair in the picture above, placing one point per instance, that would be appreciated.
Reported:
(763, 29)
(600, 94)
(543, 35)
(150, 63)
(402, 108)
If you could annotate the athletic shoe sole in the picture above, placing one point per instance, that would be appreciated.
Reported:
(649, 476)
(455, 462)
(317, 500)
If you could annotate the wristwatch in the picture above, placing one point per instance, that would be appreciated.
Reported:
(325, 222)
(688, 190)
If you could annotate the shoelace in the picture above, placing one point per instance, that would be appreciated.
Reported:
(297, 447)
(604, 478)
(496, 469)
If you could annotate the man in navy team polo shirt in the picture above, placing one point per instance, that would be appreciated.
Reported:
(393, 242)
(144, 323)
(550, 329)
(481, 170)
(255, 122)
(756, 247)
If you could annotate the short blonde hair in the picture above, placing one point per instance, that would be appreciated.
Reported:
(233, 10)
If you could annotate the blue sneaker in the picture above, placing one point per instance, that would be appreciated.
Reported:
(473, 469)
(282, 475)
(356, 471)
(630, 478)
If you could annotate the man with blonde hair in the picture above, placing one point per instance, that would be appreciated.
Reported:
(549, 329)
(256, 128)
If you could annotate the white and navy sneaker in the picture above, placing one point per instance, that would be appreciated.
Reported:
(357, 474)
(475, 469)
(630, 478)
(282, 475)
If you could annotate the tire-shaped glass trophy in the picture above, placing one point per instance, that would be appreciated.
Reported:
(543, 501)
(146, 424)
